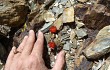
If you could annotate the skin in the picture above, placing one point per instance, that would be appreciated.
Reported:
(29, 56)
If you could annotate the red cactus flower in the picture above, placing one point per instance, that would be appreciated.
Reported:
(52, 45)
(53, 29)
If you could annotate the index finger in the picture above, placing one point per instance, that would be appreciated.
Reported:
(38, 46)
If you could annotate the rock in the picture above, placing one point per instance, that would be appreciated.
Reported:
(79, 24)
(72, 34)
(65, 37)
(82, 63)
(68, 4)
(72, 52)
(97, 15)
(47, 37)
(81, 33)
(13, 13)
(57, 11)
(68, 15)
(106, 65)
(37, 7)
(104, 33)
(74, 42)
(67, 46)
(49, 17)
(100, 46)
(58, 23)
(46, 27)
(82, 1)
(98, 65)
(80, 10)
(4, 30)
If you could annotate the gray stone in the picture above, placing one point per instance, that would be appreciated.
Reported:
(57, 1)
(67, 46)
(106, 65)
(65, 37)
(81, 33)
(63, 2)
(98, 65)
(61, 10)
(100, 46)
(46, 27)
(13, 12)
(55, 10)
(68, 4)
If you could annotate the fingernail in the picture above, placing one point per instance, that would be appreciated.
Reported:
(39, 32)
(30, 31)
(63, 53)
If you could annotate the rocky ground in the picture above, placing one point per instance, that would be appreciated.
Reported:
(80, 27)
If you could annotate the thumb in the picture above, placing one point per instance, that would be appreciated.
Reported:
(60, 61)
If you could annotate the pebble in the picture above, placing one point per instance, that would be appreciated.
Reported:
(81, 33)
(104, 33)
(98, 65)
(55, 10)
(49, 17)
(56, 4)
(65, 37)
(63, 2)
(46, 27)
(67, 46)
(72, 52)
(106, 65)
(79, 24)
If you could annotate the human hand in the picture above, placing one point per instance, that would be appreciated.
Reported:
(28, 56)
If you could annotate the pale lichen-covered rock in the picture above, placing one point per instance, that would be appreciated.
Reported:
(49, 17)
(100, 46)
(59, 22)
(68, 15)
(13, 12)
